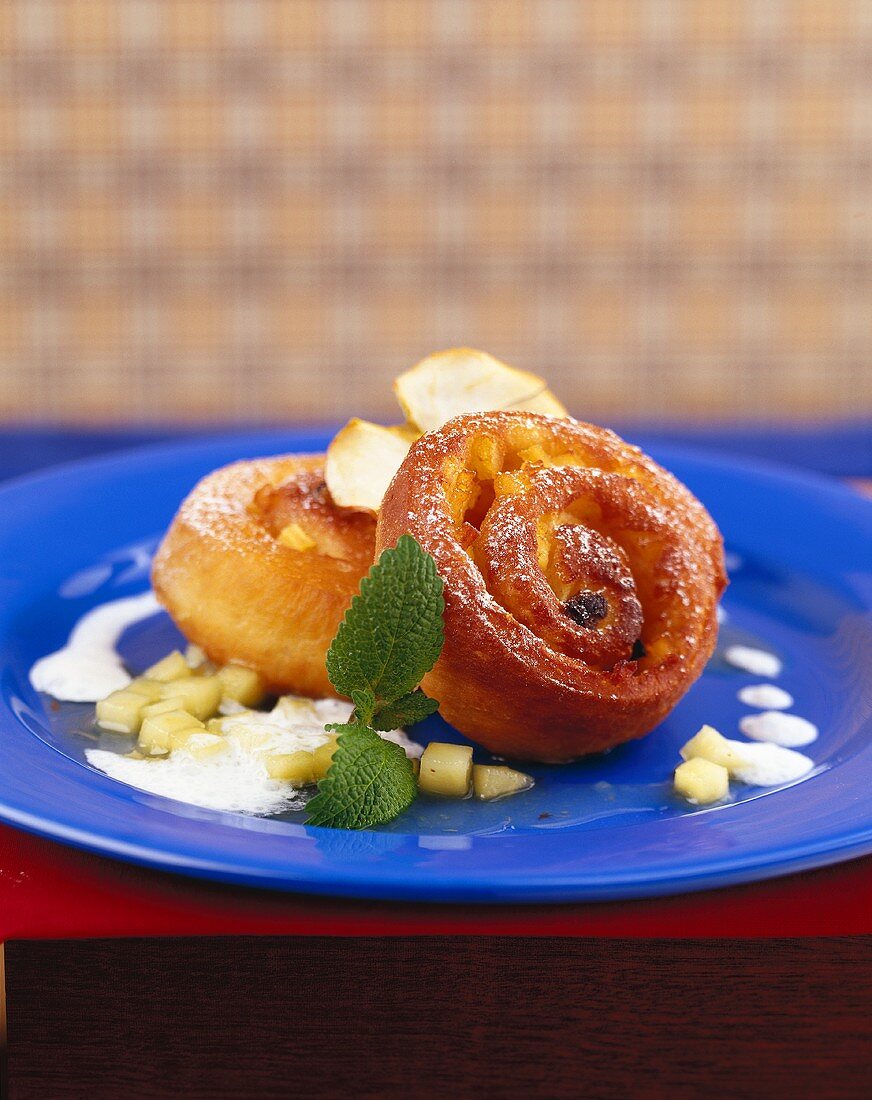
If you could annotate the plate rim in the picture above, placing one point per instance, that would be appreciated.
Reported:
(551, 888)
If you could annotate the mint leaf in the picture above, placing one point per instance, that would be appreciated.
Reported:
(392, 633)
(405, 711)
(364, 704)
(390, 638)
(370, 781)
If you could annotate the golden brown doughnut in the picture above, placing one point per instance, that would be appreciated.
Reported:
(581, 581)
(237, 591)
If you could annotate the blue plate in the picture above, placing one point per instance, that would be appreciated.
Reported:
(800, 548)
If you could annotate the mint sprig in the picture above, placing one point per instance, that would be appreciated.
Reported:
(390, 638)
(392, 634)
(370, 782)
(406, 711)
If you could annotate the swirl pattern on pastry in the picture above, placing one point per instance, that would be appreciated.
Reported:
(581, 581)
(238, 586)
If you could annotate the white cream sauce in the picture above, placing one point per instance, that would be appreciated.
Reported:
(236, 779)
(788, 730)
(756, 661)
(88, 667)
(766, 696)
(767, 765)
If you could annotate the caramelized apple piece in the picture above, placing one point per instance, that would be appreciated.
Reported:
(121, 712)
(710, 745)
(293, 767)
(492, 781)
(242, 685)
(172, 667)
(201, 695)
(701, 781)
(446, 769)
(162, 733)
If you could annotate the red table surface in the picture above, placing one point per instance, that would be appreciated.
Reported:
(49, 891)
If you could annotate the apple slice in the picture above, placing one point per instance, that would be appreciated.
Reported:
(464, 380)
(362, 460)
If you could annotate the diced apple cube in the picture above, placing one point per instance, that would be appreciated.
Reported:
(121, 711)
(293, 767)
(164, 732)
(179, 738)
(201, 694)
(172, 667)
(163, 706)
(150, 690)
(710, 745)
(242, 685)
(195, 657)
(446, 769)
(700, 781)
(294, 708)
(323, 757)
(205, 746)
(492, 781)
(250, 738)
(295, 537)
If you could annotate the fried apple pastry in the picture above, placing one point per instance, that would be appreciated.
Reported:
(259, 567)
(581, 581)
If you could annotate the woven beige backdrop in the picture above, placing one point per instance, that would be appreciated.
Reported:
(264, 209)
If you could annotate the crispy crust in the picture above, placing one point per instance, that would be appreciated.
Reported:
(579, 510)
(243, 596)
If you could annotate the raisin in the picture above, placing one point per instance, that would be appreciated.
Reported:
(587, 608)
